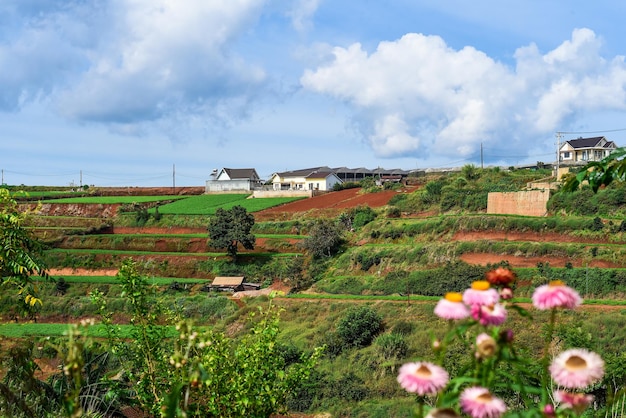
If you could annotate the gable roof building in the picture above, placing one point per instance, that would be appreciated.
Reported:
(233, 180)
(316, 178)
(583, 150)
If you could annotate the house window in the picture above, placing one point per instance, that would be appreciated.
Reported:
(566, 155)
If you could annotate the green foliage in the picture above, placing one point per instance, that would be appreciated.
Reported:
(324, 240)
(391, 346)
(229, 228)
(143, 356)
(359, 326)
(215, 376)
(600, 173)
(20, 255)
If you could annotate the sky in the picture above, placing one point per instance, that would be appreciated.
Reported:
(161, 92)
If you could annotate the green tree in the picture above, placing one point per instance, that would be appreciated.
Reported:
(229, 228)
(20, 253)
(324, 240)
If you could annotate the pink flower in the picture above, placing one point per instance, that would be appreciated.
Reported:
(489, 314)
(478, 402)
(422, 378)
(577, 402)
(485, 346)
(556, 295)
(577, 368)
(480, 294)
(451, 307)
(506, 293)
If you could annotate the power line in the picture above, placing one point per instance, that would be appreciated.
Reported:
(592, 132)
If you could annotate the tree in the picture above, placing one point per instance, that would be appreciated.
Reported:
(20, 253)
(229, 228)
(600, 173)
(324, 239)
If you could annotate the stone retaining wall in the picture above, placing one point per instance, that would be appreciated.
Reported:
(528, 203)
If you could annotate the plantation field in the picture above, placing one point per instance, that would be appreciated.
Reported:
(208, 204)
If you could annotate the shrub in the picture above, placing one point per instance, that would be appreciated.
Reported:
(391, 346)
(359, 326)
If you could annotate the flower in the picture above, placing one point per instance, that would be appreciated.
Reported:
(500, 276)
(548, 411)
(485, 346)
(577, 402)
(480, 294)
(506, 293)
(451, 307)
(442, 413)
(577, 368)
(422, 378)
(489, 314)
(555, 295)
(480, 403)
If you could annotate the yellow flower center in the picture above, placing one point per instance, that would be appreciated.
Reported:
(454, 297)
(575, 363)
(480, 285)
(423, 372)
(557, 283)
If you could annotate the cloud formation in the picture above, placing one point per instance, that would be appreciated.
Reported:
(128, 63)
(416, 96)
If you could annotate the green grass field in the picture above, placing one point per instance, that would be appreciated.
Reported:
(208, 204)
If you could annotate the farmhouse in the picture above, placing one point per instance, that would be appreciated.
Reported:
(317, 178)
(233, 180)
(582, 150)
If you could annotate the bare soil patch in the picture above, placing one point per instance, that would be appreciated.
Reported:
(329, 204)
(522, 236)
(519, 261)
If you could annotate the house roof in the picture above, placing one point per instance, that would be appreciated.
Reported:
(227, 281)
(241, 173)
(322, 174)
(590, 142)
(303, 172)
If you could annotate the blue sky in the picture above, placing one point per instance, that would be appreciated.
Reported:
(155, 92)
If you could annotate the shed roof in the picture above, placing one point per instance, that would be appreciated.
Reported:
(227, 281)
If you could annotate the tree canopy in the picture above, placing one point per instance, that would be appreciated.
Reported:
(229, 228)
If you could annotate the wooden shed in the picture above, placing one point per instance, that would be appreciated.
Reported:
(229, 284)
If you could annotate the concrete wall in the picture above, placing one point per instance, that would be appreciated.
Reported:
(528, 203)
(228, 186)
(282, 193)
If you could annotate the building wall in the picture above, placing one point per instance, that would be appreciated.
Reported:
(282, 193)
(527, 203)
(228, 186)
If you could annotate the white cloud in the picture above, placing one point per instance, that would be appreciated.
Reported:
(131, 62)
(454, 100)
(301, 13)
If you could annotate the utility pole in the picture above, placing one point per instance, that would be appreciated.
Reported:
(1, 183)
(558, 148)
(174, 178)
(481, 156)
(81, 179)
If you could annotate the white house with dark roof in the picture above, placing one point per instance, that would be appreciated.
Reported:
(583, 150)
(316, 178)
(233, 180)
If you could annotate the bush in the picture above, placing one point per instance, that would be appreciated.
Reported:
(359, 326)
(392, 346)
